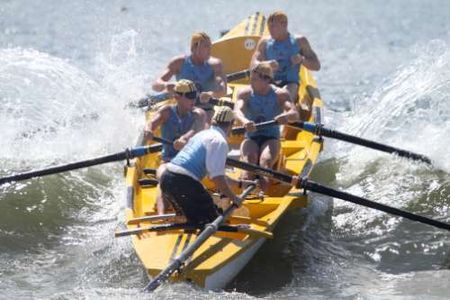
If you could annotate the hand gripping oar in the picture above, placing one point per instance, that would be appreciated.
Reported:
(262, 125)
(127, 154)
(322, 131)
(209, 230)
(235, 131)
(309, 185)
(156, 98)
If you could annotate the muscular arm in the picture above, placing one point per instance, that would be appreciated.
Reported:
(260, 56)
(173, 68)
(221, 183)
(199, 124)
(239, 107)
(260, 53)
(290, 113)
(160, 117)
(310, 59)
(220, 78)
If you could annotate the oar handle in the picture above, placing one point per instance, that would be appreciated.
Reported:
(259, 126)
(127, 154)
(156, 98)
(319, 130)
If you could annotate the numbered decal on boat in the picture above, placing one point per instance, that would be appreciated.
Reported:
(249, 44)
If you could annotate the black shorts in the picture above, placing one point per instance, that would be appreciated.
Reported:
(188, 197)
(261, 139)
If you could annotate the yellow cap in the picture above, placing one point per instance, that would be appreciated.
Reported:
(223, 114)
(263, 68)
(199, 37)
(185, 86)
(277, 16)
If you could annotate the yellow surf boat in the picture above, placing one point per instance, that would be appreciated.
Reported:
(158, 241)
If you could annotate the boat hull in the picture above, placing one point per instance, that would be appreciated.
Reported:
(216, 262)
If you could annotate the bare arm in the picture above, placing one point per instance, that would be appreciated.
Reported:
(290, 113)
(310, 59)
(222, 185)
(239, 106)
(162, 82)
(198, 125)
(220, 78)
(260, 55)
(220, 82)
(239, 109)
(160, 117)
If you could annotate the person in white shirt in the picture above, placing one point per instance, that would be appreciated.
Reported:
(204, 154)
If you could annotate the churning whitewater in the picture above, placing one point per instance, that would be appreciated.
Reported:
(69, 70)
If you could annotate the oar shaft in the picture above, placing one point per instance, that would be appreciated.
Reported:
(155, 228)
(315, 187)
(318, 188)
(238, 75)
(209, 230)
(162, 140)
(131, 153)
(259, 170)
(153, 99)
(322, 131)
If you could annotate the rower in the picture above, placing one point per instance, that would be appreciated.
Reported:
(200, 67)
(257, 103)
(205, 153)
(178, 123)
(285, 53)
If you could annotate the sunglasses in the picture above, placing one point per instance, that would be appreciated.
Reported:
(263, 76)
(189, 95)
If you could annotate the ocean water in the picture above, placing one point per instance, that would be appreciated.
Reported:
(69, 68)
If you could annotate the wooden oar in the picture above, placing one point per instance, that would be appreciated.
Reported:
(209, 230)
(242, 228)
(127, 154)
(150, 218)
(309, 185)
(319, 130)
(156, 98)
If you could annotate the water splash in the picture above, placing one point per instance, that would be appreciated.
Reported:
(410, 111)
(121, 68)
(413, 107)
(53, 111)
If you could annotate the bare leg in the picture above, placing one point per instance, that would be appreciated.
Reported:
(292, 89)
(249, 153)
(304, 104)
(161, 203)
(269, 156)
